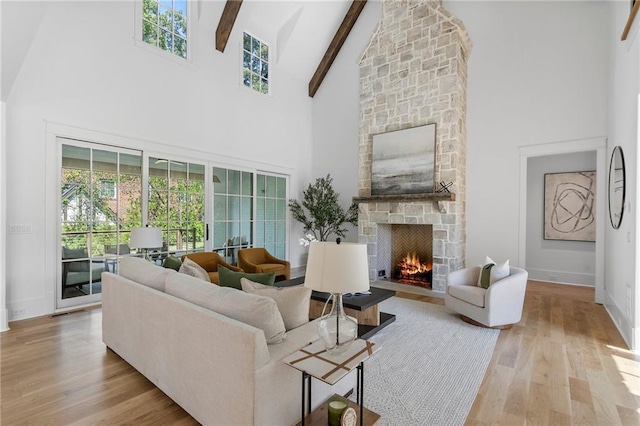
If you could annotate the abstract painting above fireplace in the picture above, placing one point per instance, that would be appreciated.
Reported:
(403, 161)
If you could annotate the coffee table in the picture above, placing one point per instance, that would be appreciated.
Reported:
(364, 307)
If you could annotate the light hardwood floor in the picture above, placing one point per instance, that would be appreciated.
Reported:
(564, 363)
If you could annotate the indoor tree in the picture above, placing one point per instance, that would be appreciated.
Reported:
(320, 212)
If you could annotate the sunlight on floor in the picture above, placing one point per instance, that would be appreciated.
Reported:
(630, 373)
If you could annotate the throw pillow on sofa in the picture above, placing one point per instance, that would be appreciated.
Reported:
(190, 267)
(144, 272)
(229, 278)
(172, 262)
(293, 302)
(258, 311)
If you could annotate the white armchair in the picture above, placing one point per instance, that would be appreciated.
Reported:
(499, 306)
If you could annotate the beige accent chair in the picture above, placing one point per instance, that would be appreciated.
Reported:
(209, 262)
(258, 259)
(499, 306)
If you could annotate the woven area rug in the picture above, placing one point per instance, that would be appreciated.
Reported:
(429, 367)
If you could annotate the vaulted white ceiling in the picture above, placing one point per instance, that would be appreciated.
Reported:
(301, 30)
(20, 22)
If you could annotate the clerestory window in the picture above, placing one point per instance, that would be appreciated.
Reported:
(164, 25)
(255, 64)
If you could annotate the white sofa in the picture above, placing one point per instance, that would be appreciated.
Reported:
(220, 370)
(499, 306)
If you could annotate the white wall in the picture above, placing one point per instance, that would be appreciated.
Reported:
(83, 69)
(336, 113)
(537, 74)
(622, 291)
(554, 260)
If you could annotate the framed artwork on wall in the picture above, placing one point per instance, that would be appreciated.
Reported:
(403, 161)
(570, 206)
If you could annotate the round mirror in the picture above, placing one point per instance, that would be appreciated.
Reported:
(616, 187)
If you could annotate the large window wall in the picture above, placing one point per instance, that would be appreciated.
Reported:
(198, 206)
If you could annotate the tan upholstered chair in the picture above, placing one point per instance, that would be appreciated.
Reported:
(209, 262)
(258, 259)
(499, 306)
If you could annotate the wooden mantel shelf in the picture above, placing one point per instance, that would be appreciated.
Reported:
(432, 196)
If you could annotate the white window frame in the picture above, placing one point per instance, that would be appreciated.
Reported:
(60, 302)
(287, 224)
(139, 41)
(272, 54)
(146, 156)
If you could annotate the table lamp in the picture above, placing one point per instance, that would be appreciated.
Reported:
(146, 238)
(337, 268)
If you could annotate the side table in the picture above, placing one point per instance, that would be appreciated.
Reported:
(313, 360)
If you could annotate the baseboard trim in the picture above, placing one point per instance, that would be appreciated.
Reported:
(622, 323)
(4, 320)
(562, 277)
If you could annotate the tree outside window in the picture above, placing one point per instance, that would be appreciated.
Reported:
(164, 25)
(255, 64)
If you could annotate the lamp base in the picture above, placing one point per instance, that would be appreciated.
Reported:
(337, 330)
(145, 255)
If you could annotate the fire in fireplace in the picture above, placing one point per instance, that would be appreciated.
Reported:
(412, 270)
(406, 251)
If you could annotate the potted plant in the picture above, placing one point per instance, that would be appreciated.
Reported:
(320, 212)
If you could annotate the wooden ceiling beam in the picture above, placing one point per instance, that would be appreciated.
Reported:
(336, 44)
(228, 18)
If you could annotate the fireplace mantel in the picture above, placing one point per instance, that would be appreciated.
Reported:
(432, 196)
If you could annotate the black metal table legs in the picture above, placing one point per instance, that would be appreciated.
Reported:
(360, 391)
(306, 393)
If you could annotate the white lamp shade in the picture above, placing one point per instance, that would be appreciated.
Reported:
(146, 237)
(337, 268)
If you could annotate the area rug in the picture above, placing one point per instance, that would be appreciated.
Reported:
(429, 367)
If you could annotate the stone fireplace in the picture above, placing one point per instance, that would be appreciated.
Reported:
(413, 73)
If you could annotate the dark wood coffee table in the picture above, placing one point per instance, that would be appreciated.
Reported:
(363, 307)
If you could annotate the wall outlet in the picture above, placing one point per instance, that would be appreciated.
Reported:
(20, 229)
(18, 312)
(382, 273)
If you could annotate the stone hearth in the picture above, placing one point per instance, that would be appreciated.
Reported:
(414, 72)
